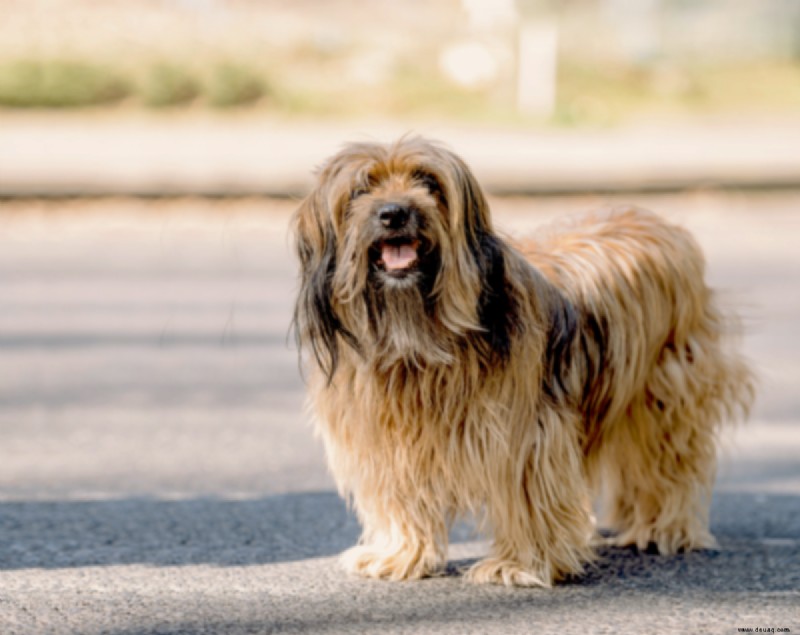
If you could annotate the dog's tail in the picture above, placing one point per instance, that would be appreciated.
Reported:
(709, 362)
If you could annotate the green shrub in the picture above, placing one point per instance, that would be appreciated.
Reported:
(168, 85)
(233, 85)
(58, 84)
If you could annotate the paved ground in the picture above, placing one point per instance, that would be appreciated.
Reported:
(157, 474)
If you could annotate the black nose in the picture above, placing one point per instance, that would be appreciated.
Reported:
(393, 215)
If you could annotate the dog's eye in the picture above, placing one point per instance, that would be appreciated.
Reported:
(429, 181)
(359, 191)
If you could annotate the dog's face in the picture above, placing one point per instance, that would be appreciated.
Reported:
(397, 253)
(393, 226)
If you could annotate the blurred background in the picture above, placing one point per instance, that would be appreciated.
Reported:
(152, 151)
(151, 404)
(511, 62)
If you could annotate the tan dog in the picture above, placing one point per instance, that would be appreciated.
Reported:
(453, 373)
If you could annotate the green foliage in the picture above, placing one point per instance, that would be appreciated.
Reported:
(597, 94)
(167, 85)
(59, 84)
(232, 85)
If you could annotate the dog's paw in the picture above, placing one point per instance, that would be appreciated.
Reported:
(665, 543)
(372, 562)
(507, 572)
(598, 539)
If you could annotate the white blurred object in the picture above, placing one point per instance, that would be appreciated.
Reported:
(639, 22)
(370, 68)
(469, 64)
(487, 15)
(536, 68)
(197, 5)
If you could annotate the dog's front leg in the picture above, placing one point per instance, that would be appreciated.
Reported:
(404, 537)
(538, 508)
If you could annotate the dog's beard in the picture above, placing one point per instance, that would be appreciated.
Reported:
(401, 314)
(385, 296)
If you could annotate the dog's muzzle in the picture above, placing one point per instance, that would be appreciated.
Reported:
(397, 252)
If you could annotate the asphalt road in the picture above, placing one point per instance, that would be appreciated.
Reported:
(158, 473)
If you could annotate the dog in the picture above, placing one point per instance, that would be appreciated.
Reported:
(454, 373)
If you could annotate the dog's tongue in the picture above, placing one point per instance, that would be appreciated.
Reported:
(398, 256)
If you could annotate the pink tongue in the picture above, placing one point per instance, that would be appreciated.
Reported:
(398, 257)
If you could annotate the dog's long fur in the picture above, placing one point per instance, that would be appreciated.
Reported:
(510, 382)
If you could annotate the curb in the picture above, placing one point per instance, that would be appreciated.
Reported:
(297, 191)
(80, 158)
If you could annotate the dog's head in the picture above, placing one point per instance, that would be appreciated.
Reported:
(398, 257)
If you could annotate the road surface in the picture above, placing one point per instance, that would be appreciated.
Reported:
(158, 473)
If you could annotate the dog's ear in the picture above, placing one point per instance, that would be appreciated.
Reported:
(497, 311)
(315, 322)
(470, 207)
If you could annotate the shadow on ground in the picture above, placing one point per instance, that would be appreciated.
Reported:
(755, 571)
(298, 526)
(174, 532)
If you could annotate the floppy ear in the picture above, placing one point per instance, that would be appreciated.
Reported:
(475, 218)
(315, 322)
(497, 310)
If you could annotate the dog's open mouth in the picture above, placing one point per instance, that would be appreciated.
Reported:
(397, 255)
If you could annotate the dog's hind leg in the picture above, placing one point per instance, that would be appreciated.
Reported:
(658, 462)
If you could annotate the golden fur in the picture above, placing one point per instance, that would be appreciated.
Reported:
(514, 383)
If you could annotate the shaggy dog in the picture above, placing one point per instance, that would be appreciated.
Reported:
(453, 373)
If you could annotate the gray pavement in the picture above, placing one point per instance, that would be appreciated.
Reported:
(158, 473)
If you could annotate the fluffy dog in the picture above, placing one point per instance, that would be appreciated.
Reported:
(453, 373)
